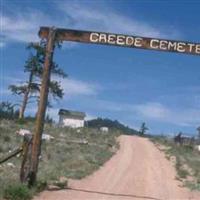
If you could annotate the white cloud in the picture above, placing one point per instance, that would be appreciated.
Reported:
(4, 91)
(90, 117)
(90, 17)
(161, 113)
(153, 111)
(73, 87)
(24, 26)
(2, 44)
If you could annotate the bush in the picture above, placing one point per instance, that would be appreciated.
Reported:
(6, 138)
(25, 120)
(17, 192)
(183, 173)
(41, 185)
(7, 111)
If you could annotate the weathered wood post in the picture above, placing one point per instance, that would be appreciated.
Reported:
(26, 152)
(40, 118)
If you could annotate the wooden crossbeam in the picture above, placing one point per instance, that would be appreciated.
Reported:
(122, 40)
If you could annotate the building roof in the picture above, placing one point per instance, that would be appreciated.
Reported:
(71, 113)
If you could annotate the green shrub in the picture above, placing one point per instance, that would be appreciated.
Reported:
(17, 192)
(41, 185)
(183, 173)
(6, 138)
(192, 186)
(21, 121)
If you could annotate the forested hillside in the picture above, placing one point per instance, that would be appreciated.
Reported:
(100, 122)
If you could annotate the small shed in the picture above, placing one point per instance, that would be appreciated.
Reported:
(72, 119)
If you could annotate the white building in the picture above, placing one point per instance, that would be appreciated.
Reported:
(104, 129)
(71, 119)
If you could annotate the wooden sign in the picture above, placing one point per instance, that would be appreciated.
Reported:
(123, 40)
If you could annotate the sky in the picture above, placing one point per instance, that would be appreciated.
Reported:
(129, 85)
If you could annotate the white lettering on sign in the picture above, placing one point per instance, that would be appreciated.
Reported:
(191, 46)
(181, 47)
(129, 40)
(103, 38)
(120, 40)
(172, 45)
(111, 39)
(146, 43)
(154, 44)
(163, 44)
(116, 39)
(197, 50)
(94, 37)
(138, 42)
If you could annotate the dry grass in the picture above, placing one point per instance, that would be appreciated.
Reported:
(187, 161)
(61, 156)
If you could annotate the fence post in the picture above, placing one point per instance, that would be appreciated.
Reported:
(26, 152)
(40, 118)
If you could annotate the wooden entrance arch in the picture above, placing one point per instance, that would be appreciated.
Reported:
(52, 34)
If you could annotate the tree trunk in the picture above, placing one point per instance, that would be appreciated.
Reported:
(26, 97)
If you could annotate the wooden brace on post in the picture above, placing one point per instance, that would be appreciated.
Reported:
(13, 154)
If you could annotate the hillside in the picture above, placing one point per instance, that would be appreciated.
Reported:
(99, 122)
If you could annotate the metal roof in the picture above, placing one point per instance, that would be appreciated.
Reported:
(71, 113)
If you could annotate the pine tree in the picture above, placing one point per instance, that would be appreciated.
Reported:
(143, 128)
(34, 68)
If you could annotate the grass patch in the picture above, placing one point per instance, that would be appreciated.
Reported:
(182, 173)
(60, 157)
(187, 161)
(17, 192)
(192, 185)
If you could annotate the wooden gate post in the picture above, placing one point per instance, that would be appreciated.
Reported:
(40, 118)
(26, 152)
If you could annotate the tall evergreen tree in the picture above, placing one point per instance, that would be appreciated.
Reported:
(34, 68)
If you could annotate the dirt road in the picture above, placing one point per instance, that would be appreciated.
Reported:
(137, 171)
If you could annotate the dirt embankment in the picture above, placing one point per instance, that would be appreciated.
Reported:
(137, 171)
